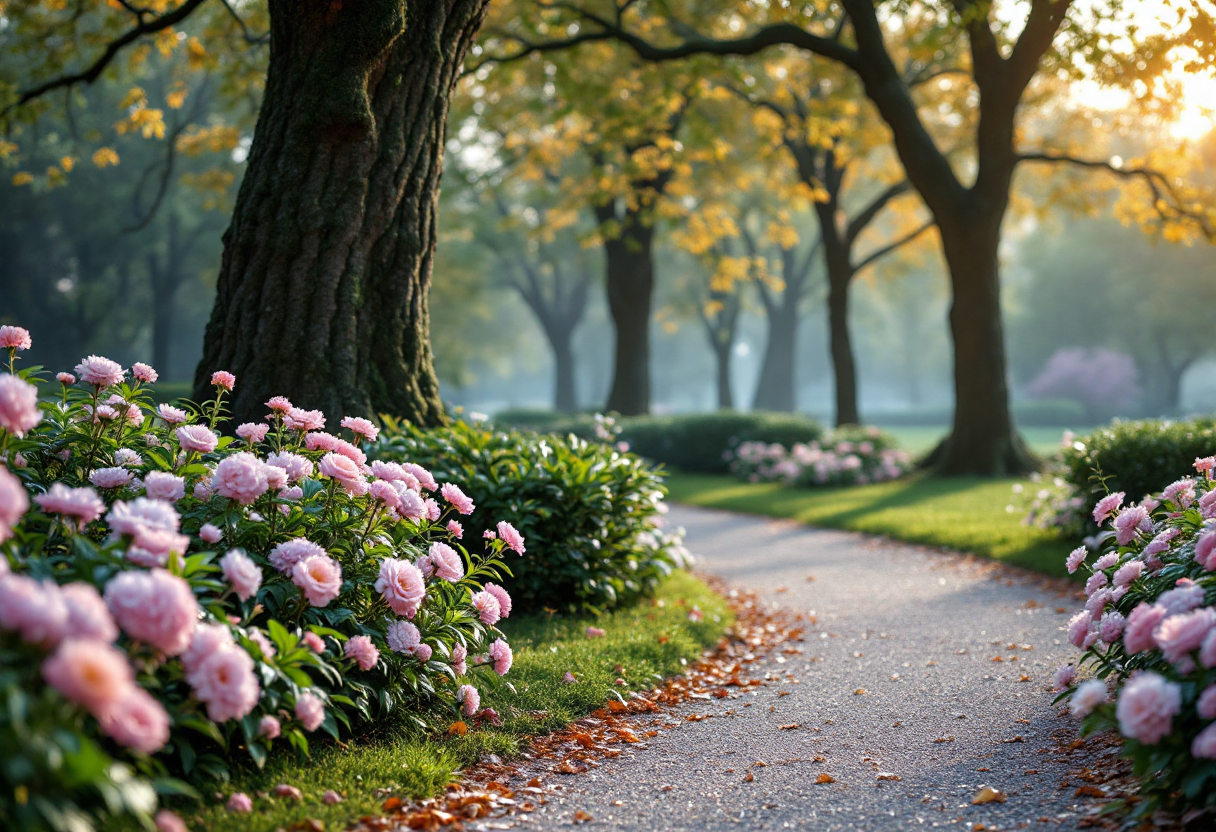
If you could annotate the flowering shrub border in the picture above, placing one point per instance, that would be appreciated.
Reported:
(1149, 635)
(849, 456)
(170, 596)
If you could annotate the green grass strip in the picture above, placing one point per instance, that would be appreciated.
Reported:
(417, 765)
(968, 514)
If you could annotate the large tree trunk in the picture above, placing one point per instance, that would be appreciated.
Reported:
(630, 282)
(322, 294)
(844, 365)
(982, 441)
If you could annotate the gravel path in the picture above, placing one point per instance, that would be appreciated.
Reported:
(897, 680)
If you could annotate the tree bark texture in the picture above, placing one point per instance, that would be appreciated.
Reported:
(630, 285)
(322, 293)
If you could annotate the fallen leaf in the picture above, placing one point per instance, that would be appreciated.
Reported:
(1018, 738)
(663, 639)
(392, 804)
(988, 795)
(859, 692)
(824, 778)
(457, 729)
(789, 727)
(749, 777)
(1089, 791)
(666, 788)
(568, 767)
(818, 758)
(945, 739)
(886, 775)
(810, 577)
(782, 589)
(581, 817)
(1023, 678)
(985, 768)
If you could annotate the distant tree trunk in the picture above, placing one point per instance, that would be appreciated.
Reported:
(776, 386)
(722, 355)
(630, 283)
(322, 293)
(565, 395)
(1169, 376)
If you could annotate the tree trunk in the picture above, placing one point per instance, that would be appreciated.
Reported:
(982, 441)
(844, 366)
(322, 293)
(630, 282)
(726, 399)
(565, 395)
(775, 388)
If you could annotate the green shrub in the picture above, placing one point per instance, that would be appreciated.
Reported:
(699, 442)
(1136, 457)
(589, 514)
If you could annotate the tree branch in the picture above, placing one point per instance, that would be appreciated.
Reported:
(893, 245)
(867, 215)
(245, 33)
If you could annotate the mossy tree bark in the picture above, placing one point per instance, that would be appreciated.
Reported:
(322, 293)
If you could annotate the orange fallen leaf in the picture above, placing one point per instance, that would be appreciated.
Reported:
(615, 706)
(818, 758)
(985, 768)
(663, 639)
(988, 795)
(581, 817)
(457, 729)
(886, 775)
(859, 692)
(824, 778)
(782, 589)
(749, 777)
(945, 739)
(1090, 791)
(789, 727)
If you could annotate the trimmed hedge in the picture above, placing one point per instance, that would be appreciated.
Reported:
(693, 442)
(1136, 457)
(589, 514)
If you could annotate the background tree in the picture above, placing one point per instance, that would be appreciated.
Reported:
(969, 201)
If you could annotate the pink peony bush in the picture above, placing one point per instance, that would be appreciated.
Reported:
(1148, 630)
(171, 595)
(847, 457)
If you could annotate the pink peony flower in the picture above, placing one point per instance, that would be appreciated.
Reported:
(14, 338)
(137, 721)
(320, 577)
(1180, 492)
(331, 797)
(423, 653)
(171, 415)
(244, 575)
(276, 478)
(390, 471)
(446, 562)
(1159, 544)
(1205, 550)
(1147, 706)
(1086, 697)
(207, 639)
(319, 441)
(1184, 597)
(503, 598)
(66, 379)
(155, 607)
(167, 821)
(1097, 603)
(459, 655)
(91, 673)
(513, 539)
(240, 477)
(421, 474)
(410, 505)
(1130, 522)
(144, 373)
(88, 616)
(433, 512)
(1138, 632)
(18, 405)
(383, 491)
(252, 432)
(455, 529)
(1178, 635)
(350, 452)
(314, 642)
(105, 478)
(269, 727)
(284, 556)
(202, 491)
(1207, 652)
(1206, 705)
(310, 711)
(298, 419)
(289, 792)
(1106, 561)
(459, 500)
(1110, 628)
(296, 466)
(100, 372)
(1096, 581)
(161, 485)
(210, 533)
(1075, 558)
(363, 651)
(226, 683)
(361, 427)
(279, 404)
(345, 471)
(1107, 506)
(265, 648)
(1078, 628)
(223, 380)
(403, 637)
(1065, 676)
(1203, 747)
(402, 585)
(487, 608)
(198, 438)
(130, 518)
(240, 803)
(14, 502)
(469, 699)
(500, 653)
(1129, 573)
(1205, 464)
(32, 608)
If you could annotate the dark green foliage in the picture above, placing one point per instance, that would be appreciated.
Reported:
(693, 442)
(586, 512)
(1138, 458)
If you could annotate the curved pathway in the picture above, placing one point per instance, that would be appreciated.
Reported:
(897, 695)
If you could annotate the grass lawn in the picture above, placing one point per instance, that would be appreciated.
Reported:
(963, 513)
(416, 765)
